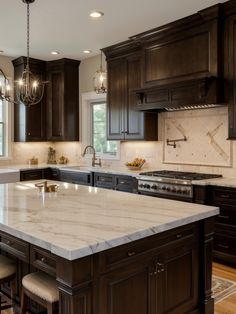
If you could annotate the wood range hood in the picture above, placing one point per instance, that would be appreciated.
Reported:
(182, 63)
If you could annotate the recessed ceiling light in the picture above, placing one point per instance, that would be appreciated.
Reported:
(96, 14)
(87, 51)
(55, 53)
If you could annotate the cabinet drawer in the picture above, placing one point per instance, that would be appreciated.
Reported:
(27, 175)
(227, 215)
(224, 196)
(83, 178)
(126, 183)
(16, 247)
(225, 243)
(104, 180)
(43, 260)
(125, 253)
(54, 174)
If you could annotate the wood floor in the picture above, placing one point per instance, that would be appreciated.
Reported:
(226, 306)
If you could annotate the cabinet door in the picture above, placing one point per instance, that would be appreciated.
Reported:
(55, 117)
(126, 290)
(116, 99)
(29, 122)
(230, 72)
(182, 56)
(177, 280)
(134, 120)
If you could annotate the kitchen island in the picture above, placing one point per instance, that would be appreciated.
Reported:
(112, 252)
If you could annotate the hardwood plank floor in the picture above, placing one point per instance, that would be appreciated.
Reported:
(226, 306)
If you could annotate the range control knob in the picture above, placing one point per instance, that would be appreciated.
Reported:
(154, 187)
(141, 185)
(147, 186)
(163, 188)
(168, 189)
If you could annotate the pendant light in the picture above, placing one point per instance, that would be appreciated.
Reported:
(100, 80)
(29, 89)
(5, 88)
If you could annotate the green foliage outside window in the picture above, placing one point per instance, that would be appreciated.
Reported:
(99, 137)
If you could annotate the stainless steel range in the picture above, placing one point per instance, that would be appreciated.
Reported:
(171, 184)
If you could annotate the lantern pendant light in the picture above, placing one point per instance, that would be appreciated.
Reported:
(100, 80)
(29, 89)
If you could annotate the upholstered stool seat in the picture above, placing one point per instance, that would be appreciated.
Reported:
(41, 288)
(8, 275)
(7, 267)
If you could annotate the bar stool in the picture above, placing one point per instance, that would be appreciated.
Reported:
(42, 289)
(8, 275)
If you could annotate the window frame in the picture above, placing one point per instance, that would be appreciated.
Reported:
(7, 131)
(86, 134)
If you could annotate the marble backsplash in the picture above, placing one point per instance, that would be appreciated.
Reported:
(154, 152)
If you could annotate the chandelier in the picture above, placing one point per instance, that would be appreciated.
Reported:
(5, 88)
(29, 89)
(100, 80)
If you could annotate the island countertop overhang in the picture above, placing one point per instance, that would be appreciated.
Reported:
(79, 221)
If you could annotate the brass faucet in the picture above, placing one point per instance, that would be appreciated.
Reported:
(94, 163)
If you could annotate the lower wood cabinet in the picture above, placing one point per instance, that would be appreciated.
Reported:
(116, 182)
(83, 178)
(32, 174)
(225, 225)
(164, 281)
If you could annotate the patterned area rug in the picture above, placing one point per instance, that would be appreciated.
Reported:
(222, 288)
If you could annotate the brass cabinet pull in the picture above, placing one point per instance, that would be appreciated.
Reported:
(43, 259)
(130, 254)
(179, 236)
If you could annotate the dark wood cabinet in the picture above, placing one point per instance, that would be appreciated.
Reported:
(33, 174)
(126, 184)
(76, 177)
(183, 50)
(123, 183)
(29, 122)
(230, 71)
(104, 180)
(123, 120)
(63, 100)
(53, 174)
(225, 225)
(143, 279)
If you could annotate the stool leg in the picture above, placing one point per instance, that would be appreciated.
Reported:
(49, 308)
(24, 300)
(13, 294)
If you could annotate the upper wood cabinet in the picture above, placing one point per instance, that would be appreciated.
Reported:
(124, 121)
(186, 50)
(63, 100)
(29, 122)
(230, 64)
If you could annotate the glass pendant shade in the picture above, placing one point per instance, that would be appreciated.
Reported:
(100, 80)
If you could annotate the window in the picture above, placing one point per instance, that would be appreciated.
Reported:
(99, 137)
(2, 127)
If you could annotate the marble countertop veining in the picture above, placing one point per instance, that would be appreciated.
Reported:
(79, 221)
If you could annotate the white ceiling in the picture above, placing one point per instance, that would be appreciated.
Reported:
(65, 25)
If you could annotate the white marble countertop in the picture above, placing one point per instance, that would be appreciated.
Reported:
(78, 220)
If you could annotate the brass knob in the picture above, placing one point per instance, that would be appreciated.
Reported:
(43, 259)
(131, 253)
